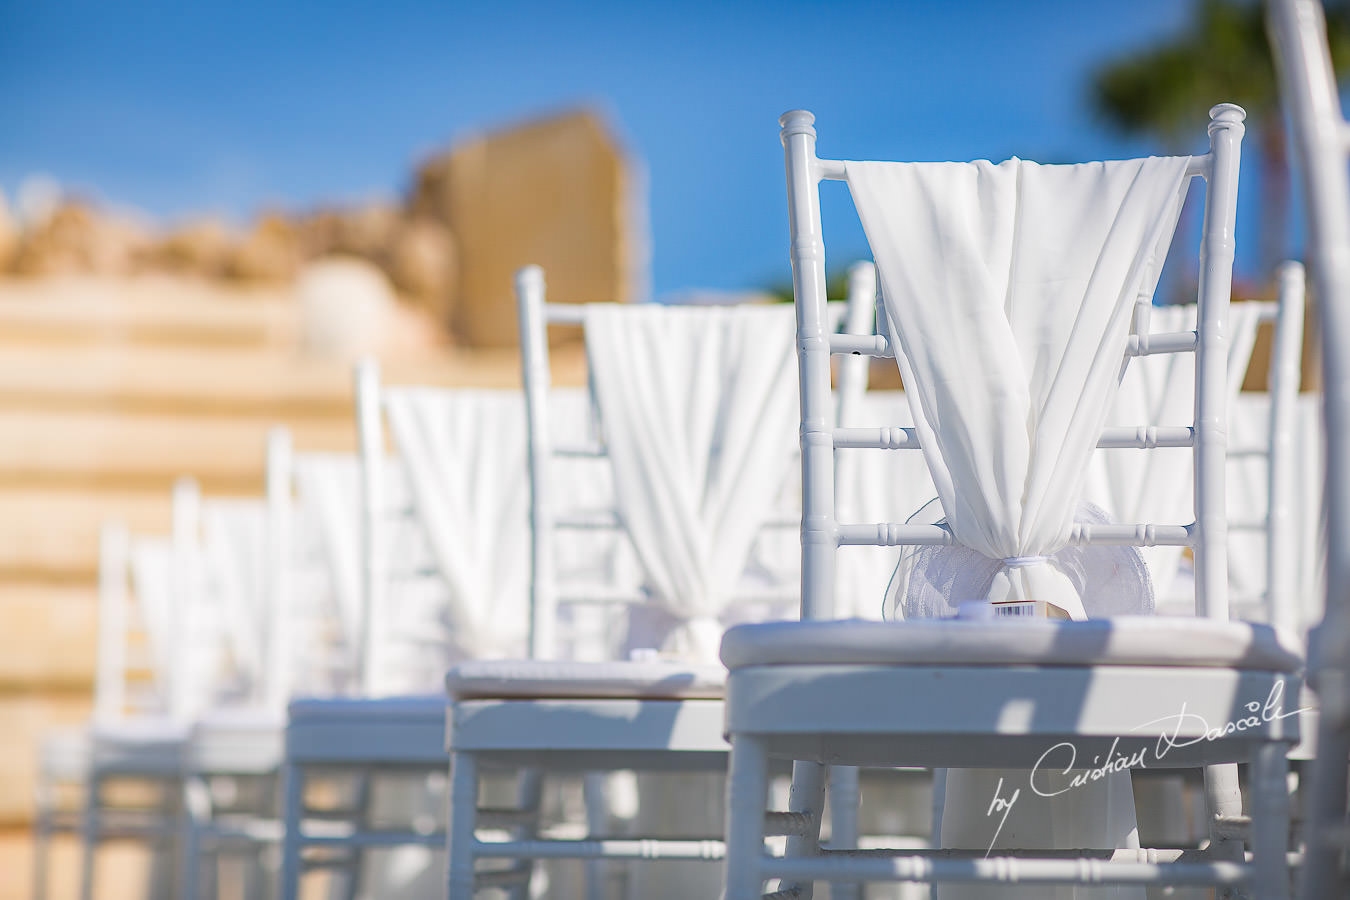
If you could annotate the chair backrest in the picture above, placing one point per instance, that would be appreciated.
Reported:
(234, 595)
(1264, 490)
(114, 561)
(445, 589)
(822, 533)
(1321, 141)
(146, 588)
(605, 516)
(1264, 462)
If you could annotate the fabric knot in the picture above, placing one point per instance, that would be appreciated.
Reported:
(1018, 562)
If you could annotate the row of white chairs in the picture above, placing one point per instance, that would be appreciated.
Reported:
(369, 736)
(580, 616)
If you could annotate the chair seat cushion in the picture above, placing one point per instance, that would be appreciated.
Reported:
(324, 710)
(1121, 641)
(146, 730)
(557, 680)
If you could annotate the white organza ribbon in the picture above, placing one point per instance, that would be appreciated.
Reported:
(933, 582)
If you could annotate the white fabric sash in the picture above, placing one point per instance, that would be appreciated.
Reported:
(465, 456)
(152, 581)
(329, 488)
(699, 410)
(1157, 485)
(234, 540)
(1011, 288)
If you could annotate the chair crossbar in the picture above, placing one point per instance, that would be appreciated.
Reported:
(593, 451)
(861, 344)
(380, 838)
(1148, 437)
(626, 848)
(895, 534)
(787, 824)
(834, 169)
(505, 816)
(1162, 342)
(1007, 870)
(604, 597)
(1137, 345)
(590, 520)
(1266, 310)
(505, 878)
(564, 313)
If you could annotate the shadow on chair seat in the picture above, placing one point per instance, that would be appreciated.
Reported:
(545, 679)
(407, 729)
(1121, 641)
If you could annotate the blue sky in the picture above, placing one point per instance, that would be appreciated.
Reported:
(187, 108)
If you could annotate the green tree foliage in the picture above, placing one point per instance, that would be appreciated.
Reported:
(1223, 54)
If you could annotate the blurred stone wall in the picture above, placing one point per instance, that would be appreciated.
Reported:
(557, 192)
(131, 354)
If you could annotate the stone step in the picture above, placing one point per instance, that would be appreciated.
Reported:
(24, 718)
(122, 867)
(151, 310)
(234, 381)
(51, 534)
(97, 451)
(50, 635)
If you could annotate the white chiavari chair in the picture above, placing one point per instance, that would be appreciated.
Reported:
(382, 722)
(1004, 692)
(1265, 540)
(441, 567)
(149, 685)
(649, 714)
(1320, 137)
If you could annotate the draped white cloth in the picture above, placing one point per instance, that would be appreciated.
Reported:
(329, 488)
(183, 625)
(152, 582)
(1011, 288)
(234, 539)
(699, 411)
(408, 637)
(465, 455)
(1158, 485)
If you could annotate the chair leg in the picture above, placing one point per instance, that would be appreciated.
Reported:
(196, 817)
(90, 834)
(293, 822)
(939, 804)
(747, 799)
(529, 796)
(807, 796)
(845, 795)
(1269, 776)
(361, 808)
(596, 794)
(1223, 802)
(42, 839)
(463, 821)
